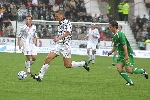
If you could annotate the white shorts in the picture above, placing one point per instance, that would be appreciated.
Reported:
(29, 49)
(62, 49)
(91, 45)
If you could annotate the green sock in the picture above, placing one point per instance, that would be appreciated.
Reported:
(114, 59)
(137, 71)
(125, 76)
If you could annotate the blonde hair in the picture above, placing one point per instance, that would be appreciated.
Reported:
(60, 12)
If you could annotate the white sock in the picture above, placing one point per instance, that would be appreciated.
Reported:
(93, 56)
(77, 64)
(89, 56)
(27, 66)
(31, 62)
(43, 70)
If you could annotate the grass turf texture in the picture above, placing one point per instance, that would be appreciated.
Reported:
(59, 83)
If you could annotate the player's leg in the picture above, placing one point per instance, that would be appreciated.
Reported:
(32, 60)
(93, 46)
(88, 52)
(47, 61)
(122, 72)
(54, 53)
(27, 64)
(33, 54)
(114, 58)
(93, 55)
(27, 53)
(67, 62)
(134, 70)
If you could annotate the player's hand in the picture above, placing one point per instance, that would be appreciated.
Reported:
(19, 47)
(56, 39)
(126, 58)
(85, 37)
(93, 36)
(109, 53)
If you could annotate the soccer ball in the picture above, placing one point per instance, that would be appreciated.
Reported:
(22, 75)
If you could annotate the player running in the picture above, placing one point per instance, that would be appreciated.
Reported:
(125, 54)
(62, 47)
(114, 59)
(92, 36)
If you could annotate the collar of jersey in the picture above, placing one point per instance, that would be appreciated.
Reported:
(116, 33)
(61, 20)
(28, 25)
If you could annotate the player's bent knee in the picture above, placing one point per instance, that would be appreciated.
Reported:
(119, 69)
(33, 59)
(27, 58)
(129, 71)
(67, 65)
(48, 59)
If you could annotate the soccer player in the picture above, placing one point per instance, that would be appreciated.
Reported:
(114, 59)
(62, 40)
(28, 37)
(125, 54)
(93, 36)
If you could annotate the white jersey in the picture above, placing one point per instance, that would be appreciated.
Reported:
(90, 34)
(27, 34)
(63, 27)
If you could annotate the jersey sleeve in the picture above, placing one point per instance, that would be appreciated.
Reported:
(122, 38)
(97, 34)
(21, 33)
(114, 42)
(35, 32)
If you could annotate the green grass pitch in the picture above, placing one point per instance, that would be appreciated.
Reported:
(59, 83)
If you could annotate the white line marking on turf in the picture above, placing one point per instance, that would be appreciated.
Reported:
(112, 67)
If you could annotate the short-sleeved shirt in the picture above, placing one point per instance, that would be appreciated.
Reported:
(120, 40)
(90, 34)
(63, 27)
(27, 34)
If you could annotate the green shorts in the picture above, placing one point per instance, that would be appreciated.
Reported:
(129, 63)
(116, 49)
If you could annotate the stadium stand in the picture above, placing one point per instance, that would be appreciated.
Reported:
(74, 10)
(140, 23)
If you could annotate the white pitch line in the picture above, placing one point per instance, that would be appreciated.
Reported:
(112, 67)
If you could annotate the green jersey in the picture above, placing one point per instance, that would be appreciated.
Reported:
(120, 40)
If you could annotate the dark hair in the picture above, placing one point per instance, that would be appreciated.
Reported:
(120, 26)
(29, 16)
(114, 24)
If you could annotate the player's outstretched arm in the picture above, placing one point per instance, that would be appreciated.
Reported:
(85, 37)
(124, 42)
(126, 53)
(61, 37)
(110, 52)
(35, 41)
(19, 39)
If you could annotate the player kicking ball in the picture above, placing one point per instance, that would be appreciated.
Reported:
(62, 40)
(125, 54)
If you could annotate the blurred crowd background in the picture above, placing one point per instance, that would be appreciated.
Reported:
(74, 10)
